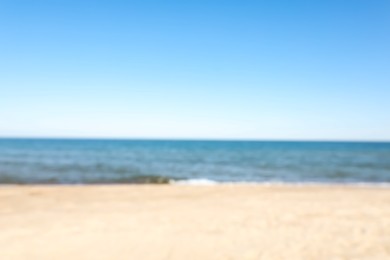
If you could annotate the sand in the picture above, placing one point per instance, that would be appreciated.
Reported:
(194, 222)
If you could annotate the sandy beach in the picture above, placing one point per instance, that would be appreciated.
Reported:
(194, 222)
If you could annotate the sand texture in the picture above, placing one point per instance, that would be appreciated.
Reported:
(194, 222)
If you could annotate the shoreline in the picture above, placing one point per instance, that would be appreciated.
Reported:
(208, 183)
(194, 222)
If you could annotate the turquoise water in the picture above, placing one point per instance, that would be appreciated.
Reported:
(138, 161)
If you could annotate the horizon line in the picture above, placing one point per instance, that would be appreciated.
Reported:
(191, 139)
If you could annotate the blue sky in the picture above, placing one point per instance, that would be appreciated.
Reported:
(195, 69)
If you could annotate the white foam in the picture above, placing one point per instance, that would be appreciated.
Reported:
(208, 182)
(195, 182)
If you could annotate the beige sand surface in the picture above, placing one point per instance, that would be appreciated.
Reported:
(188, 222)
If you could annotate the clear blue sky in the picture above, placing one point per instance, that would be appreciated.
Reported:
(195, 69)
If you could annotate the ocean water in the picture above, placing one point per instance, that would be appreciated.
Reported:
(56, 161)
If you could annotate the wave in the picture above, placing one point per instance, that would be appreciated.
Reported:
(161, 179)
(135, 179)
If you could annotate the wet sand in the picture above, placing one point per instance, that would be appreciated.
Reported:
(194, 222)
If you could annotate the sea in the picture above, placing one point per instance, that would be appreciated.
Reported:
(79, 161)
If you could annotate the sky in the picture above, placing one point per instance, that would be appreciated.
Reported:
(195, 69)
